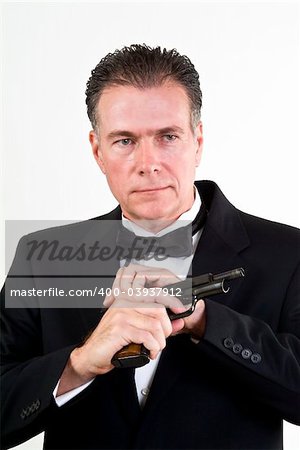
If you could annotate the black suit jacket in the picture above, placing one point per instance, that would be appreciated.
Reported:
(230, 391)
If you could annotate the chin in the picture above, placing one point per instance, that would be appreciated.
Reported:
(153, 213)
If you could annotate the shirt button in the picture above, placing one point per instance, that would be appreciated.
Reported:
(145, 392)
(246, 353)
(237, 348)
(228, 343)
(256, 358)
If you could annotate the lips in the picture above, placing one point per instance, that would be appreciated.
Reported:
(151, 189)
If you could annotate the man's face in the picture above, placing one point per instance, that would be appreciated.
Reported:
(147, 150)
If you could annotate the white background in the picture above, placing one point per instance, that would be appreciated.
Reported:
(247, 54)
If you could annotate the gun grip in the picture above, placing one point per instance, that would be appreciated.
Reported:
(132, 355)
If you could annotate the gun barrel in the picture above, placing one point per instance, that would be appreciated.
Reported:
(190, 284)
(230, 275)
(217, 287)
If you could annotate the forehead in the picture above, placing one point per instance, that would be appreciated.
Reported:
(127, 107)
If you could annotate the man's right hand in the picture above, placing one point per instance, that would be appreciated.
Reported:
(123, 323)
(139, 319)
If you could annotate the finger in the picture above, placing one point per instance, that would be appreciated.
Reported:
(169, 301)
(148, 315)
(142, 293)
(159, 313)
(128, 275)
(161, 278)
(154, 276)
(177, 326)
(139, 329)
(139, 280)
(147, 339)
(109, 299)
(153, 326)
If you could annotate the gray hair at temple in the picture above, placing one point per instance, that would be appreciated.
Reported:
(143, 67)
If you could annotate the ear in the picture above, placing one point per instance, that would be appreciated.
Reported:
(94, 141)
(199, 143)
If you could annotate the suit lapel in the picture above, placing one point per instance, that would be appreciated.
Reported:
(103, 229)
(215, 256)
(223, 239)
(219, 249)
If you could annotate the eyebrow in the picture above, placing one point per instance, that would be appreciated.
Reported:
(172, 129)
(118, 133)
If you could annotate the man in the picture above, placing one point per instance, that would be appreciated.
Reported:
(224, 377)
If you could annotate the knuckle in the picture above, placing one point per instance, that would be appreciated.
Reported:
(168, 328)
(119, 317)
(161, 312)
(155, 324)
(143, 335)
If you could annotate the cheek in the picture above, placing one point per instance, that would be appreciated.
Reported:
(112, 170)
(117, 183)
(102, 166)
(184, 165)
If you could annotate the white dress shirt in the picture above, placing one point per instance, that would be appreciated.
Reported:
(180, 267)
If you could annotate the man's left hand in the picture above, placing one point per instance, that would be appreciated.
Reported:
(137, 277)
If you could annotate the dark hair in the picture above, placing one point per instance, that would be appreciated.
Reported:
(142, 66)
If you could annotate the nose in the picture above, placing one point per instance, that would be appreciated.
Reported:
(147, 158)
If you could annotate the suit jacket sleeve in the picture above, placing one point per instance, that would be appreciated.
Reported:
(266, 360)
(28, 376)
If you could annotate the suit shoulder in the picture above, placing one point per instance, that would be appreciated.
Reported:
(58, 231)
(70, 231)
(271, 232)
(269, 225)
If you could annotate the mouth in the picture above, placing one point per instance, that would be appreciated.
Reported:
(150, 190)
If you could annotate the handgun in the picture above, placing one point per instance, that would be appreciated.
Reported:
(191, 290)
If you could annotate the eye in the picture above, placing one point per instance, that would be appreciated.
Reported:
(124, 142)
(169, 137)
